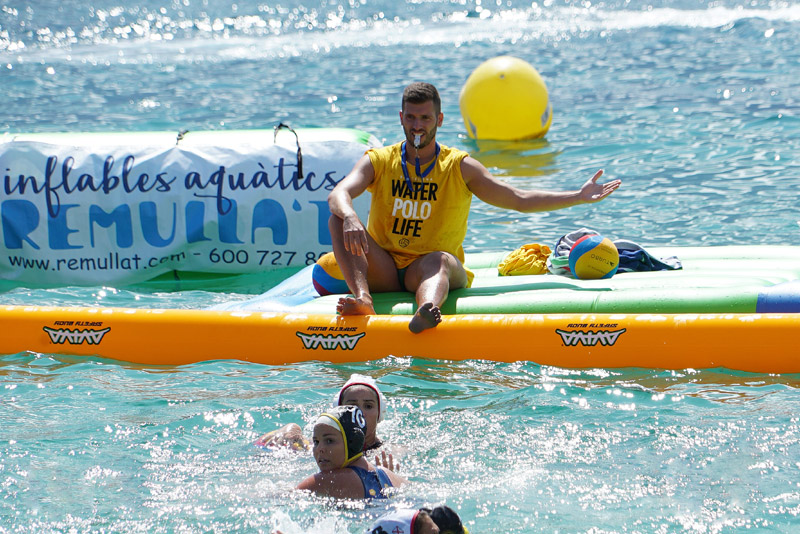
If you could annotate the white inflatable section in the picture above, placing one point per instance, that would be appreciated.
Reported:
(121, 208)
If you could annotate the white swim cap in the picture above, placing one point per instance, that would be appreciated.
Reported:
(367, 381)
(397, 522)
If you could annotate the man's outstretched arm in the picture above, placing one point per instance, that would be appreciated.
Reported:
(498, 193)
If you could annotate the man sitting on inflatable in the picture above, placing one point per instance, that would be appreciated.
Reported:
(421, 195)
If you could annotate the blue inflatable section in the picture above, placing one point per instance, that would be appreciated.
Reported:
(295, 290)
(780, 298)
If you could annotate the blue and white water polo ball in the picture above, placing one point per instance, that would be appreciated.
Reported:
(593, 257)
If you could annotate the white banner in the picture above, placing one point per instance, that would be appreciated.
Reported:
(91, 209)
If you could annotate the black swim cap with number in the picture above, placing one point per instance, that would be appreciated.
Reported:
(351, 423)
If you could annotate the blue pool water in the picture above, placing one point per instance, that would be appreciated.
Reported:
(693, 105)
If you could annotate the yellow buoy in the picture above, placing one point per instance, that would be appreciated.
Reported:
(505, 99)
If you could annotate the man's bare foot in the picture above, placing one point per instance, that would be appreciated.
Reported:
(427, 316)
(355, 306)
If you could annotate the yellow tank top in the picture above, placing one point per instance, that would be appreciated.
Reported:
(409, 224)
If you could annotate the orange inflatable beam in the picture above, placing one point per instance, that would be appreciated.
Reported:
(764, 343)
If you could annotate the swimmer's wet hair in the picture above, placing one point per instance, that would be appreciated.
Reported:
(421, 92)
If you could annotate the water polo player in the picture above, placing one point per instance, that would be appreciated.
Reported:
(359, 390)
(439, 520)
(338, 445)
(405, 522)
(363, 391)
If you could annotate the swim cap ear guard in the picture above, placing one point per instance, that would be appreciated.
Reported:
(353, 427)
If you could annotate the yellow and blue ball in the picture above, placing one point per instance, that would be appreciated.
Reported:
(327, 276)
(593, 257)
(505, 99)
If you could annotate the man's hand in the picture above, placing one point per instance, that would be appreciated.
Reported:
(594, 192)
(355, 236)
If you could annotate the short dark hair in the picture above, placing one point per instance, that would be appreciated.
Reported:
(421, 92)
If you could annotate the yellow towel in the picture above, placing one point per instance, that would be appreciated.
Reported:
(527, 259)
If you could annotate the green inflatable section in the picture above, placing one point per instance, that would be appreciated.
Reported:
(713, 280)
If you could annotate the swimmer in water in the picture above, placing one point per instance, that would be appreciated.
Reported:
(405, 521)
(359, 390)
(363, 391)
(447, 520)
(439, 520)
(344, 473)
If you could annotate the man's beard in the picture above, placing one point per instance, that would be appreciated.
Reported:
(425, 140)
